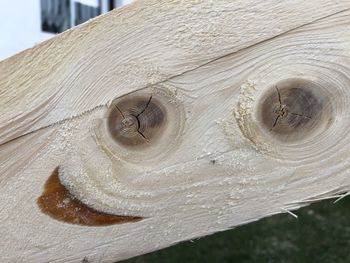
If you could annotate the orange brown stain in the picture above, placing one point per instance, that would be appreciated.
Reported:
(58, 203)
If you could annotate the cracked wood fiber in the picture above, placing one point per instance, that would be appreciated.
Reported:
(190, 117)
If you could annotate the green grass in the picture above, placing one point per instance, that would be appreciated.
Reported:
(321, 234)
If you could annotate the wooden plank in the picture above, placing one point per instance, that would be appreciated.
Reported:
(219, 129)
(86, 67)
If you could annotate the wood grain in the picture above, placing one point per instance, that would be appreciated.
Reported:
(100, 60)
(215, 164)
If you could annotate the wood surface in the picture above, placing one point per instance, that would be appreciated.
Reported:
(180, 118)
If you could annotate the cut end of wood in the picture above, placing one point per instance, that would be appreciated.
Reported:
(57, 202)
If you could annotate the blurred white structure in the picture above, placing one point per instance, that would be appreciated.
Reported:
(21, 22)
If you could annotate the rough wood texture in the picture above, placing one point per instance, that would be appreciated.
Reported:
(195, 116)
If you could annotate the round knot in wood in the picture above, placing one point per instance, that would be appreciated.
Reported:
(136, 121)
(293, 109)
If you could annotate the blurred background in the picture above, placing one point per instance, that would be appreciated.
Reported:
(26, 23)
(320, 234)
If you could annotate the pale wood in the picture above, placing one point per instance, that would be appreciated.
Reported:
(216, 59)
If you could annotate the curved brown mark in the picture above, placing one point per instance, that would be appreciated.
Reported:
(57, 202)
